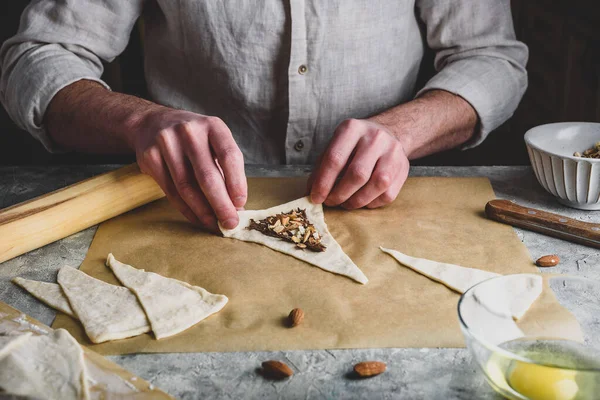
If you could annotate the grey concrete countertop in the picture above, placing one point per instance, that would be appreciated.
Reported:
(412, 373)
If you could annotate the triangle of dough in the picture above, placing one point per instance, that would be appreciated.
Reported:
(107, 312)
(44, 366)
(488, 326)
(333, 259)
(511, 296)
(453, 276)
(172, 306)
(48, 293)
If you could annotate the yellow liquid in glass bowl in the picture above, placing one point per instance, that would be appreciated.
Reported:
(577, 378)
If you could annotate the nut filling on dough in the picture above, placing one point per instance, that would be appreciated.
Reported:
(293, 227)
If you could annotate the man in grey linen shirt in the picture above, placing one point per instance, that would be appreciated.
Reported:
(270, 81)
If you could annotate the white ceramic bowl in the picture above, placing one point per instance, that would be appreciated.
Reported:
(575, 181)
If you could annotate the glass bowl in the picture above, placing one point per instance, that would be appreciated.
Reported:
(561, 364)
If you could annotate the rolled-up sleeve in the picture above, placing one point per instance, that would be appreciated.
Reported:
(476, 57)
(58, 43)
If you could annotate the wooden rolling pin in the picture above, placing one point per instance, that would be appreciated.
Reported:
(53, 216)
(550, 224)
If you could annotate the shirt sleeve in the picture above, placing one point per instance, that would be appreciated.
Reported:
(58, 43)
(476, 57)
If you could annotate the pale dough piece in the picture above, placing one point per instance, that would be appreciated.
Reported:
(10, 342)
(48, 293)
(44, 366)
(511, 296)
(171, 305)
(487, 326)
(107, 312)
(455, 277)
(333, 259)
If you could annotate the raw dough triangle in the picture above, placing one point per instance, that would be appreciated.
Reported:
(48, 293)
(172, 306)
(488, 326)
(333, 259)
(455, 277)
(510, 297)
(45, 366)
(107, 312)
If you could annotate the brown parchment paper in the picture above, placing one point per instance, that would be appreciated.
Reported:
(436, 218)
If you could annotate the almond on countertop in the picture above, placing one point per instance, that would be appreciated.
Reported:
(550, 260)
(276, 370)
(369, 368)
(296, 317)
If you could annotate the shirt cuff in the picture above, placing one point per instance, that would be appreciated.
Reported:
(29, 92)
(493, 94)
(39, 131)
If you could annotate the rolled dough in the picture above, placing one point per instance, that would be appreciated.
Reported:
(43, 366)
(107, 312)
(48, 293)
(172, 306)
(333, 259)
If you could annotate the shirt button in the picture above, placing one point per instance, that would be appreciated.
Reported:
(302, 69)
(299, 145)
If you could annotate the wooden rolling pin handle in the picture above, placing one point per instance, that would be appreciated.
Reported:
(35, 223)
(550, 224)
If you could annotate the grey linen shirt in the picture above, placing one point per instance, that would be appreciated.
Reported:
(281, 73)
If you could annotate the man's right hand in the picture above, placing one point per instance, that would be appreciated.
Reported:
(192, 157)
(196, 162)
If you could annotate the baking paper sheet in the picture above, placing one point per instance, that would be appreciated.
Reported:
(437, 218)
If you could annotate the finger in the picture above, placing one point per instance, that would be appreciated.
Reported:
(390, 195)
(311, 177)
(209, 177)
(383, 176)
(231, 161)
(183, 178)
(357, 175)
(334, 159)
(208, 222)
(155, 166)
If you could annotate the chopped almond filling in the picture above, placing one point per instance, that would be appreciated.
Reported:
(293, 227)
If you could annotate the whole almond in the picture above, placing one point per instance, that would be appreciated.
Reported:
(276, 370)
(548, 261)
(369, 368)
(296, 317)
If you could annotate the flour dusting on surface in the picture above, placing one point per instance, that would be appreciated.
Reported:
(110, 382)
(22, 321)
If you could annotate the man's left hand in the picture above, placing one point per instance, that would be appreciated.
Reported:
(364, 166)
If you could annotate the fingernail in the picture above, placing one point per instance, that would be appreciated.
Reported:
(239, 201)
(316, 199)
(230, 223)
